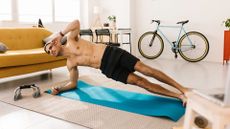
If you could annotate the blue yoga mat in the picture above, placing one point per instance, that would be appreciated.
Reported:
(144, 104)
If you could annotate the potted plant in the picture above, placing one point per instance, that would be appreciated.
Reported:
(227, 40)
(112, 20)
(227, 23)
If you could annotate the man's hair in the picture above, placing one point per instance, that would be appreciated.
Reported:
(49, 39)
(46, 46)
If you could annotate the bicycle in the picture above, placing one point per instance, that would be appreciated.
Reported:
(193, 46)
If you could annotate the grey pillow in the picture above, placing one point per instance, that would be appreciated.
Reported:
(3, 48)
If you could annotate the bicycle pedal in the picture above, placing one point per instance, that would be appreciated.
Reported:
(176, 55)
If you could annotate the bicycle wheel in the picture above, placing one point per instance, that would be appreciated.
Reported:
(146, 49)
(196, 51)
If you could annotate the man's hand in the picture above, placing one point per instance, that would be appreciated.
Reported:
(57, 39)
(57, 89)
(53, 91)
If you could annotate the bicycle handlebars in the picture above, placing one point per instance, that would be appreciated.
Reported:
(180, 22)
(157, 21)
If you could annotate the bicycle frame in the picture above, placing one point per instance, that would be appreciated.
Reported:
(178, 38)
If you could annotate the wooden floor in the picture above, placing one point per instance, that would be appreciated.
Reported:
(202, 75)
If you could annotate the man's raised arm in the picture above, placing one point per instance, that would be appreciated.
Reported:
(74, 29)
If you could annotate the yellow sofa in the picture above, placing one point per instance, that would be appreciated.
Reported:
(26, 53)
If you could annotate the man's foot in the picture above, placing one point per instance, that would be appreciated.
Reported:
(183, 98)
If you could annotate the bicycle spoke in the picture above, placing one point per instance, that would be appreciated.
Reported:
(185, 48)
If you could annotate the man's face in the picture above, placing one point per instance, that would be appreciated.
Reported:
(53, 48)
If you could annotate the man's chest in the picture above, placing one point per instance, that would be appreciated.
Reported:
(80, 60)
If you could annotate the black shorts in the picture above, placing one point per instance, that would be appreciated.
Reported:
(117, 63)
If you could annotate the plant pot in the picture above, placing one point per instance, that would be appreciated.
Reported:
(106, 24)
(112, 24)
(226, 45)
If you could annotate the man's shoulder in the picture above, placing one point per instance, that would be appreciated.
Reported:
(70, 63)
(76, 41)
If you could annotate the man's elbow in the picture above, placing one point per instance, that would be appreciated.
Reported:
(73, 85)
(76, 23)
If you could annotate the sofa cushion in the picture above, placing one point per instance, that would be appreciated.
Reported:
(25, 57)
(3, 47)
(23, 38)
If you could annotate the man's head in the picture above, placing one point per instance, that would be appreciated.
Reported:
(53, 45)
(53, 48)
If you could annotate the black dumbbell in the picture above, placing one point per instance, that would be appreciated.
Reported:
(17, 91)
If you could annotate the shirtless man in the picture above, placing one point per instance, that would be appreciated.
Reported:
(114, 62)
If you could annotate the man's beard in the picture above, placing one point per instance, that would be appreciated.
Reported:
(59, 54)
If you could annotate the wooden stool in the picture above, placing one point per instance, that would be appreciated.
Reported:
(218, 116)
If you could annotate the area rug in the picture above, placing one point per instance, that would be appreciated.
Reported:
(84, 113)
(139, 103)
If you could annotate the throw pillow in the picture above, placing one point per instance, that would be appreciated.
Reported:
(3, 48)
(40, 23)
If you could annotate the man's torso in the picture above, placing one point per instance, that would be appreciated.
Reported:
(85, 53)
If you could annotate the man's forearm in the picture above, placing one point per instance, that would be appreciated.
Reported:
(66, 87)
(74, 25)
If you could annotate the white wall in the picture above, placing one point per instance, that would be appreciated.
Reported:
(119, 8)
(205, 16)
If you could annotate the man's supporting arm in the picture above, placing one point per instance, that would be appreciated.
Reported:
(71, 85)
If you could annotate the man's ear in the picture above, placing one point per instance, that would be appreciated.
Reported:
(52, 43)
(55, 42)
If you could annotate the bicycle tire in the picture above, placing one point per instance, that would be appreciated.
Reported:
(199, 41)
(153, 51)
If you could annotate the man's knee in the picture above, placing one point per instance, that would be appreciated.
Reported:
(135, 79)
(140, 81)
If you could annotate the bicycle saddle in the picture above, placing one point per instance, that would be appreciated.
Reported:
(17, 91)
(183, 22)
(157, 21)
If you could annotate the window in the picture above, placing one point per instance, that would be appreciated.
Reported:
(67, 11)
(48, 10)
(32, 10)
(5, 10)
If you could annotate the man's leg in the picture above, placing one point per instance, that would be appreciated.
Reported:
(149, 71)
(154, 88)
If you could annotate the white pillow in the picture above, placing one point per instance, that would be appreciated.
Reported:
(3, 47)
